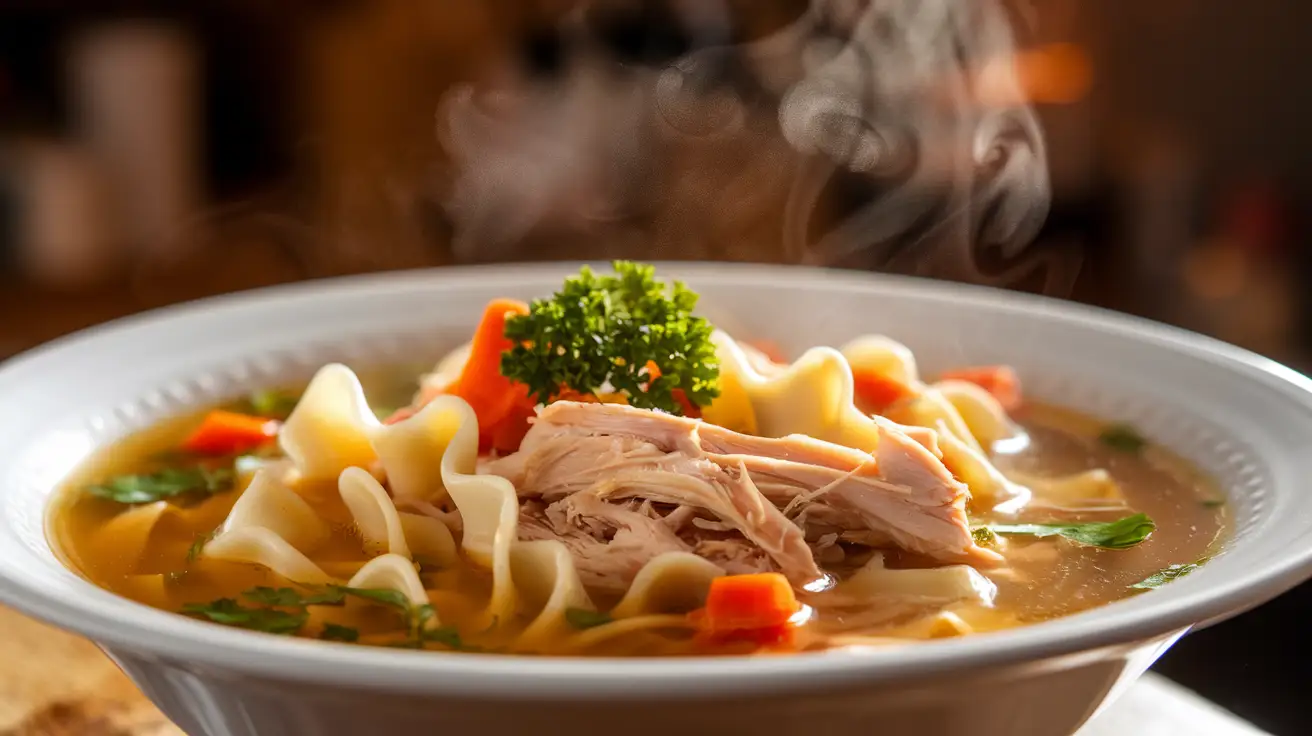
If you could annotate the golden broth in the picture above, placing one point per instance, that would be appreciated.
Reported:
(1188, 509)
(1043, 578)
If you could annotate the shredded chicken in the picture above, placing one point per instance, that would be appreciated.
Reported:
(744, 502)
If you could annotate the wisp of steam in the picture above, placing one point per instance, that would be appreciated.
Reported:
(883, 134)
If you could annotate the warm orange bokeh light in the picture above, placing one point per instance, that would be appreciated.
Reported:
(1055, 74)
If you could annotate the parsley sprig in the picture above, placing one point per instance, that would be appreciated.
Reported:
(601, 330)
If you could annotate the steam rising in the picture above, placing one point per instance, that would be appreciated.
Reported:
(888, 134)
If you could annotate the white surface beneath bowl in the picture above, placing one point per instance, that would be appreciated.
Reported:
(1156, 706)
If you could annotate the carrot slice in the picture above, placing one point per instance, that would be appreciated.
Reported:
(228, 433)
(749, 602)
(875, 391)
(506, 435)
(999, 380)
(494, 398)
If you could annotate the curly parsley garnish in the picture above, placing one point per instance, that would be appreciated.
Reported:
(601, 330)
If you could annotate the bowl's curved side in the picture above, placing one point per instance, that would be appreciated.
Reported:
(994, 701)
(1243, 418)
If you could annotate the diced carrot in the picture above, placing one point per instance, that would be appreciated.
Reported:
(875, 391)
(771, 636)
(228, 433)
(999, 380)
(749, 602)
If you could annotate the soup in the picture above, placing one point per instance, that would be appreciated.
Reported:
(603, 473)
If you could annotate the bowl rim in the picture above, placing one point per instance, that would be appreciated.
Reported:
(170, 636)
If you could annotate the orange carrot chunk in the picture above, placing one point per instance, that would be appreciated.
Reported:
(494, 398)
(749, 602)
(228, 433)
(875, 391)
(999, 380)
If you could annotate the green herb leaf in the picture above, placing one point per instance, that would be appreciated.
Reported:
(335, 632)
(331, 596)
(1119, 534)
(231, 613)
(446, 636)
(272, 403)
(198, 546)
(1212, 503)
(1164, 576)
(600, 330)
(1123, 438)
(582, 618)
(386, 596)
(290, 597)
(168, 483)
(984, 536)
(274, 596)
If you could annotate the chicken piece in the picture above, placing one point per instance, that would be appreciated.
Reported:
(901, 495)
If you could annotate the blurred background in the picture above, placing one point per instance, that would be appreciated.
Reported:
(1150, 157)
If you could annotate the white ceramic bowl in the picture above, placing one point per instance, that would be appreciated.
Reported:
(1244, 419)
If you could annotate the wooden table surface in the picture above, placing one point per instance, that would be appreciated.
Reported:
(55, 684)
